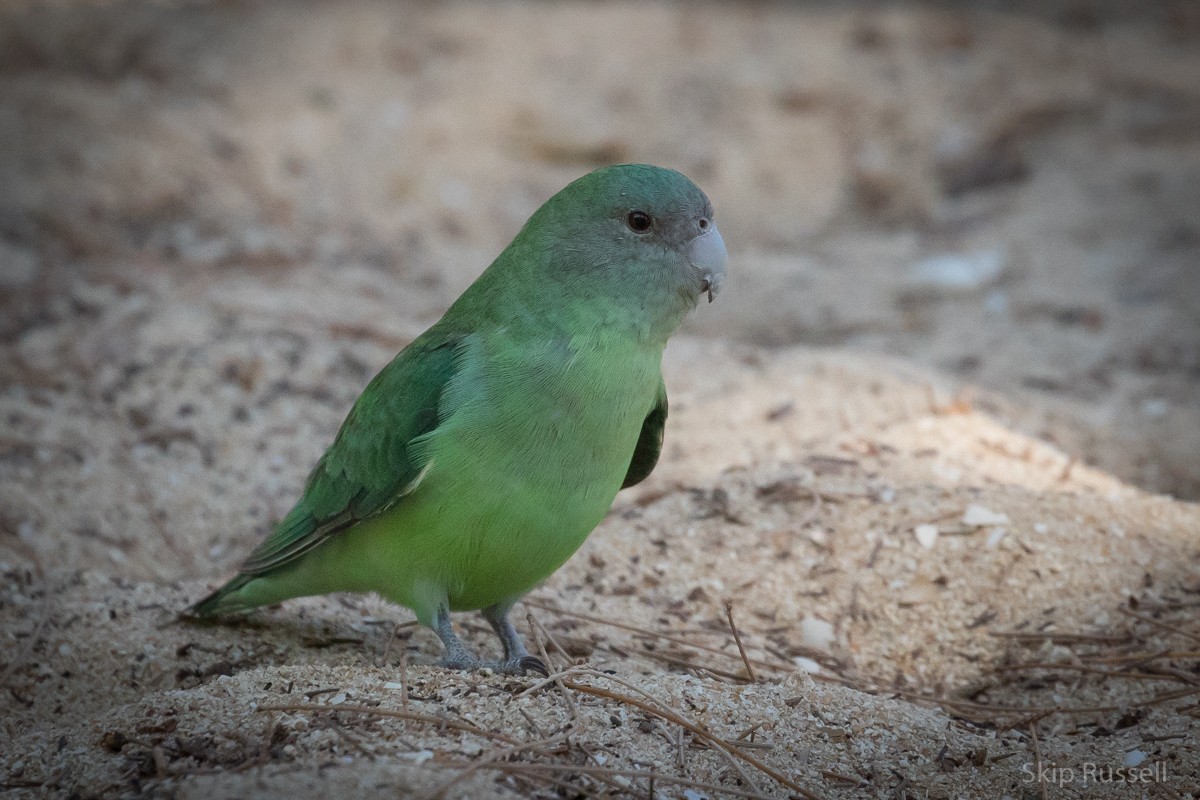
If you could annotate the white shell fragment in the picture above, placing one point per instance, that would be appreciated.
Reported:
(806, 664)
(977, 516)
(419, 757)
(962, 272)
(926, 535)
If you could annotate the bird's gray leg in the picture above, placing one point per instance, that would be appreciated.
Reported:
(514, 645)
(457, 656)
(517, 660)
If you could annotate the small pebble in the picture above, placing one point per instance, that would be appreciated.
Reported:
(996, 302)
(1155, 407)
(817, 634)
(926, 535)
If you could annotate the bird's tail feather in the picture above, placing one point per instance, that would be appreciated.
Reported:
(225, 600)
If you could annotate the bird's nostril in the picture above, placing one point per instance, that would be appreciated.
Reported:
(703, 224)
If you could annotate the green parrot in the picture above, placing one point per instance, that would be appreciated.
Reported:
(480, 458)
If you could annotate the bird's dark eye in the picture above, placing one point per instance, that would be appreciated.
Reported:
(703, 224)
(638, 221)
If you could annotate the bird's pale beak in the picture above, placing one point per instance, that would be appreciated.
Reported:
(706, 253)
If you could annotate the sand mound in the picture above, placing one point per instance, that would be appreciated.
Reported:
(952, 586)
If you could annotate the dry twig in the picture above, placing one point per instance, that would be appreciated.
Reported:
(536, 627)
(486, 762)
(1037, 757)
(1037, 637)
(658, 709)
(737, 637)
(990, 713)
(666, 637)
(415, 716)
(608, 772)
(1160, 624)
(1106, 673)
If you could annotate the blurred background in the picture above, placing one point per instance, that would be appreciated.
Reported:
(1008, 193)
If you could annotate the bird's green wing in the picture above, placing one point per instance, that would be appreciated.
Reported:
(371, 464)
(649, 444)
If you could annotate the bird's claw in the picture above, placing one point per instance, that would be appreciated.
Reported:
(534, 664)
(519, 665)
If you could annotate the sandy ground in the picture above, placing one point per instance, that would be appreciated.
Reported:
(935, 444)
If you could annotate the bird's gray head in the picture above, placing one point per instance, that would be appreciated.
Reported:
(642, 226)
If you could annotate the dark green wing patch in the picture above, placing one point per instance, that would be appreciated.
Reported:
(649, 444)
(371, 464)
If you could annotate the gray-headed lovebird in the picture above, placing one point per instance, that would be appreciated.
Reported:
(477, 461)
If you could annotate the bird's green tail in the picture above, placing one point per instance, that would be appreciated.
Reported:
(226, 600)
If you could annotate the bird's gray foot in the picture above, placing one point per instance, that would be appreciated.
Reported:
(517, 660)
(456, 655)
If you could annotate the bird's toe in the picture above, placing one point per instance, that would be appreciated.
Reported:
(460, 661)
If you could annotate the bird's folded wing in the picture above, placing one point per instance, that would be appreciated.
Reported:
(649, 444)
(371, 465)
